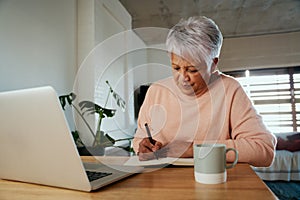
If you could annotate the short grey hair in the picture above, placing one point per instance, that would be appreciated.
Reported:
(197, 39)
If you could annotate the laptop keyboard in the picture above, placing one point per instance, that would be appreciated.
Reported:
(96, 175)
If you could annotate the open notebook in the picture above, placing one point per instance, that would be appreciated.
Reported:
(134, 161)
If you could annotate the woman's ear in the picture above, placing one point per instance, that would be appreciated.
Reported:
(214, 65)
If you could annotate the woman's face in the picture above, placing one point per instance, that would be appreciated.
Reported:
(191, 80)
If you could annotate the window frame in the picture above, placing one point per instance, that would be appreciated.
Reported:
(290, 71)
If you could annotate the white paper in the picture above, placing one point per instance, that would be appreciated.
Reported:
(134, 161)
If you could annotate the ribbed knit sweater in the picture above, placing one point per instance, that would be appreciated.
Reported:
(224, 114)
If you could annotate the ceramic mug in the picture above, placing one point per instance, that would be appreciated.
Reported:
(210, 163)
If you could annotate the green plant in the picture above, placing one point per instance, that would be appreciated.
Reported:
(100, 139)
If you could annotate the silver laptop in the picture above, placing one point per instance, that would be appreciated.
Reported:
(36, 145)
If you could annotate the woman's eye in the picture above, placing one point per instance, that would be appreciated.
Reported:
(192, 70)
(176, 68)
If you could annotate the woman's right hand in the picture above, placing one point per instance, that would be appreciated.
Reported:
(149, 151)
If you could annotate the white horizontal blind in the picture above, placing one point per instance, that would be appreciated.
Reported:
(296, 83)
(273, 97)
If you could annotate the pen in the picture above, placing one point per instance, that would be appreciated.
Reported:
(150, 138)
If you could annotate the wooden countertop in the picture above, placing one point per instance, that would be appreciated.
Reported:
(165, 183)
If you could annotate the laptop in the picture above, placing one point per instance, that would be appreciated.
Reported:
(36, 145)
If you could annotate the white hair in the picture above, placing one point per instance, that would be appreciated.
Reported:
(196, 39)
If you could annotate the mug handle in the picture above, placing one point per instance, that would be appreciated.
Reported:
(235, 160)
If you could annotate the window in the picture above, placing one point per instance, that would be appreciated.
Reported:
(275, 94)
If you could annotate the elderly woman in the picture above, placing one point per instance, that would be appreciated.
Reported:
(199, 104)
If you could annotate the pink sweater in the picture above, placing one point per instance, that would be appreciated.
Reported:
(224, 114)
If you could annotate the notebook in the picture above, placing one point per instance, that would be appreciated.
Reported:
(134, 161)
(36, 145)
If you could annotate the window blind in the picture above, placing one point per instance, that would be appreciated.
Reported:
(276, 96)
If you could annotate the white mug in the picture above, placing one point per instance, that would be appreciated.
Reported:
(210, 163)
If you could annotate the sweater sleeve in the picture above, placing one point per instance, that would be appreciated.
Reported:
(249, 135)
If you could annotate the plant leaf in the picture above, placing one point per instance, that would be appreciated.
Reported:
(66, 98)
(89, 107)
(120, 102)
(62, 101)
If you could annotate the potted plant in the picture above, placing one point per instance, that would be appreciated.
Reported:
(100, 138)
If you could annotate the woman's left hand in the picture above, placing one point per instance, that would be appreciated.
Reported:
(179, 149)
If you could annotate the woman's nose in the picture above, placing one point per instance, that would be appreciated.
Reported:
(184, 75)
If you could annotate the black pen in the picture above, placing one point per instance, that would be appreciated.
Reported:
(150, 138)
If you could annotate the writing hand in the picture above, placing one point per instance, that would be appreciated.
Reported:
(147, 149)
(179, 149)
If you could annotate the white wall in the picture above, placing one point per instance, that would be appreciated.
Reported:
(102, 47)
(38, 44)
(161, 67)
(267, 51)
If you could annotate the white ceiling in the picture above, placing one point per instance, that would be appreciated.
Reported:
(235, 18)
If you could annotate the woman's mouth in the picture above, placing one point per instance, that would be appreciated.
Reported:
(186, 85)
